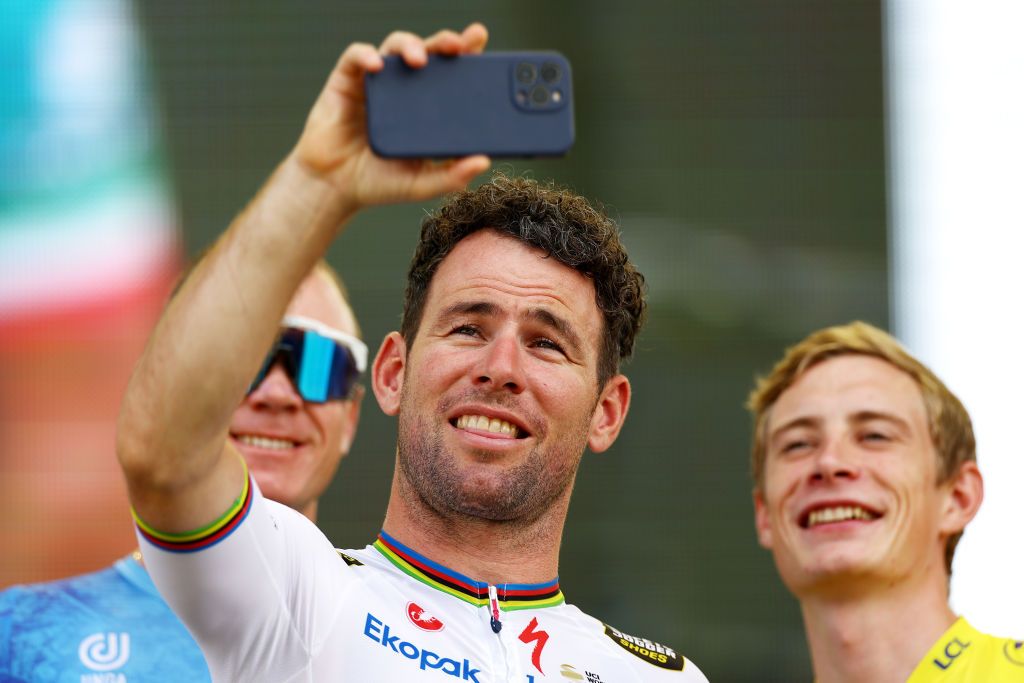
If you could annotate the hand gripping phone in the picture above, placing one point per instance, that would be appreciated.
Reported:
(503, 104)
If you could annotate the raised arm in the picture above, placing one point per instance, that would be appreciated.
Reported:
(182, 472)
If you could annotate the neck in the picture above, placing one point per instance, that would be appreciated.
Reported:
(309, 510)
(879, 637)
(496, 552)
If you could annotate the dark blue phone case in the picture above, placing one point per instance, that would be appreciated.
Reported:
(500, 104)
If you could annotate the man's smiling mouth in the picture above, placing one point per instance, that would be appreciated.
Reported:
(265, 442)
(837, 513)
(489, 424)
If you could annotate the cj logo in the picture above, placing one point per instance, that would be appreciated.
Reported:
(104, 651)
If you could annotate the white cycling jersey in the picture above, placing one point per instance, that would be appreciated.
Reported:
(269, 599)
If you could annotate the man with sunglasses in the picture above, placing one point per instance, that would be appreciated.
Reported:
(293, 427)
(520, 305)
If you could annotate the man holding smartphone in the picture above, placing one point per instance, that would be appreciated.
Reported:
(520, 305)
(865, 477)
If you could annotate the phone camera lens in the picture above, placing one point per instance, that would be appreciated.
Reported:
(539, 95)
(526, 73)
(550, 73)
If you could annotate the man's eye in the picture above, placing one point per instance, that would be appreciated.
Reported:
(545, 343)
(876, 436)
(469, 330)
(791, 446)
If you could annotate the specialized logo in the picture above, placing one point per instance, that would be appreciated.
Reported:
(379, 632)
(1014, 651)
(647, 650)
(422, 618)
(105, 651)
(531, 634)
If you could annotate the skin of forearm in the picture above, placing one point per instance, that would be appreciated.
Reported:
(208, 344)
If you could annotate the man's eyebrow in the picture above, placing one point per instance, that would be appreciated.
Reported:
(467, 308)
(559, 324)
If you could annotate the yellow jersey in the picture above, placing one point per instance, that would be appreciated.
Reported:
(965, 655)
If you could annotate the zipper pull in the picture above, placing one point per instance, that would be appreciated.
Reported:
(492, 594)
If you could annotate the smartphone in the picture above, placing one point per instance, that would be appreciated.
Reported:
(503, 104)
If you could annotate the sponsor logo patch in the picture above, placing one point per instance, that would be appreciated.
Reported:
(105, 651)
(349, 560)
(647, 650)
(570, 672)
(381, 633)
(953, 649)
(423, 619)
(1014, 651)
(533, 634)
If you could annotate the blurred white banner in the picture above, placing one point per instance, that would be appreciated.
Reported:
(955, 74)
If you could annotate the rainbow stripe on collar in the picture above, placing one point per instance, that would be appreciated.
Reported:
(203, 537)
(512, 596)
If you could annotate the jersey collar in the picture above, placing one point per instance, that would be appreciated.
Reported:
(512, 596)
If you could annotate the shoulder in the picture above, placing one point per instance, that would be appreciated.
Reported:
(649, 659)
(31, 599)
(965, 654)
(1004, 657)
(663, 657)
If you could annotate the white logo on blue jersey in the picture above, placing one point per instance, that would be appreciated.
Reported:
(104, 651)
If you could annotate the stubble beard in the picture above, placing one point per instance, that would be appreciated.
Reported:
(518, 495)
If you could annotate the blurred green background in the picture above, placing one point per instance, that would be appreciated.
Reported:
(739, 143)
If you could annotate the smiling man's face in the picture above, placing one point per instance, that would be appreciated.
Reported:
(850, 493)
(293, 447)
(499, 392)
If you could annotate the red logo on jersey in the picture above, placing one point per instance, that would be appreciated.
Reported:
(531, 634)
(422, 618)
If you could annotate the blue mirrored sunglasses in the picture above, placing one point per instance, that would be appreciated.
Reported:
(323, 364)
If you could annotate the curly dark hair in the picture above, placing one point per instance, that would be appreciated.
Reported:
(559, 222)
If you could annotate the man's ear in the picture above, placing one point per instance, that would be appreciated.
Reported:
(609, 414)
(762, 521)
(965, 491)
(389, 373)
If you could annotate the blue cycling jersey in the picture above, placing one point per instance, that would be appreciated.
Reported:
(110, 626)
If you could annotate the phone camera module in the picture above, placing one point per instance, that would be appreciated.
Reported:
(526, 73)
(550, 73)
(539, 95)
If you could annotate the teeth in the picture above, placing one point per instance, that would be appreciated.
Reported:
(838, 514)
(265, 442)
(489, 424)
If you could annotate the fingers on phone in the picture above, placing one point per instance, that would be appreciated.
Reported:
(474, 37)
(409, 45)
(445, 42)
(359, 57)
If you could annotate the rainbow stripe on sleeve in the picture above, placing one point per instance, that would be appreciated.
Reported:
(203, 537)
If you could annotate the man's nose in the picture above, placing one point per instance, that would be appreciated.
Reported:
(501, 364)
(835, 461)
(275, 392)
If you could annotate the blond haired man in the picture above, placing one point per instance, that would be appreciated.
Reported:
(864, 479)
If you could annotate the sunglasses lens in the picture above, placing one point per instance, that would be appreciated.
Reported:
(314, 368)
(319, 368)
